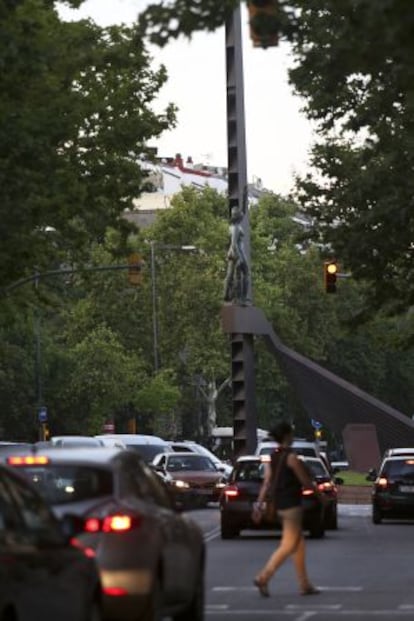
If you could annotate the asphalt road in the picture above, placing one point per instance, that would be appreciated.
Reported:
(364, 572)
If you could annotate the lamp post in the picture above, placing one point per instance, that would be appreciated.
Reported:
(155, 332)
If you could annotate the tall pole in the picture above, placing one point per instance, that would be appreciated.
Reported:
(242, 351)
(154, 308)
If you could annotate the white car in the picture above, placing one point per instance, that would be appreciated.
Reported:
(301, 447)
(188, 446)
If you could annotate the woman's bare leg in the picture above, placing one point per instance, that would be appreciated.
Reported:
(291, 535)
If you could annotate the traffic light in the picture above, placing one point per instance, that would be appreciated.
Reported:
(330, 270)
(318, 434)
(264, 22)
(134, 269)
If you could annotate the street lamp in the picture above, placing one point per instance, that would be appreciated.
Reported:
(153, 245)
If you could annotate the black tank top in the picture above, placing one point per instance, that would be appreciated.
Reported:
(287, 489)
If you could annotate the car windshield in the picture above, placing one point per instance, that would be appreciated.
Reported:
(249, 471)
(147, 451)
(190, 462)
(402, 469)
(60, 484)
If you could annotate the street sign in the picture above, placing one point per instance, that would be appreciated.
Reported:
(42, 415)
(109, 427)
(316, 424)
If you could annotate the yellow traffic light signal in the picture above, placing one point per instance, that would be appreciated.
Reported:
(330, 271)
(134, 269)
(318, 434)
(264, 22)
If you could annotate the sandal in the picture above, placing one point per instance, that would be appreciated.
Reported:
(310, 590)
(262, 586)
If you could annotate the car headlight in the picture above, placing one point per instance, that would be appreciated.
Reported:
(181, 484)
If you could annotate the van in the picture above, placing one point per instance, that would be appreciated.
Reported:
(301, 447)
(147, 446)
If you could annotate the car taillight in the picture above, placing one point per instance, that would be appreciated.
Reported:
(231, 492)
(307, 492)
(116, 523)
(89, 552)
(325, 487)
(27, 460)
(382, 482)
(114, 591)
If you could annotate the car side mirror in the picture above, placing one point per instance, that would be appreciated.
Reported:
(338, 481)
(372, 475)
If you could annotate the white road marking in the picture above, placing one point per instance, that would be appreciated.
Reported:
(387, 614)
(318, 607)
(406, 607)
(212, 534)
(348, 589)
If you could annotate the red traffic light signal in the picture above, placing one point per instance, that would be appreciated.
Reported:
(330, 270)
(264, 22)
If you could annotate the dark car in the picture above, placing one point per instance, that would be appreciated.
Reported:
(236, 502)
(327, 485)
(42, 576)
(393, 490)
(150, 558)
(195, 478)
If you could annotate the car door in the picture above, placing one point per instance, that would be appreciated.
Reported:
(53, 579)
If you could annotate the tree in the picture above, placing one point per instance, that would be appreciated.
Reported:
(75, 118)
(354, 67)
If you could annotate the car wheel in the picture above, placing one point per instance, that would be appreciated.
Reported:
(317, 530)
(195, 611)
(331, 522)
(153, 611)
(228, 531)
(376, 515)
(95, 612)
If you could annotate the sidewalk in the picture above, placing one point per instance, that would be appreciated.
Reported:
(354, 494)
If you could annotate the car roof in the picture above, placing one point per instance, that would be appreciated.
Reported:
(133, 438)
(82, 455)
(183, 454)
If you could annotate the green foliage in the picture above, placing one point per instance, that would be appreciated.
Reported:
(75, 117)
(354, 67)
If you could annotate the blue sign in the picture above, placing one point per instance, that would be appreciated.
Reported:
(42, 415)
(316, 424)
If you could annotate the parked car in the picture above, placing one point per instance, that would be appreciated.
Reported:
(150, 557)
(393, 490)
(188, 446)
(146, 446)
(238, 496)
(196, 480)
(327, 485)
(42, 576)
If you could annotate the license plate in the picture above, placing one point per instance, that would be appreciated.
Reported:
(407, 488)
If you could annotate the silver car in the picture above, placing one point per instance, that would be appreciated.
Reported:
(150, 557)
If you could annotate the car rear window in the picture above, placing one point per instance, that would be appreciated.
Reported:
(316, 468)
(249, 471)
(60, 484)
(399, 469)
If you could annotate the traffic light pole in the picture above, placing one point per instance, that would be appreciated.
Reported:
(242, 350)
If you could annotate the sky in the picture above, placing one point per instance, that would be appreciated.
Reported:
(278, 135)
